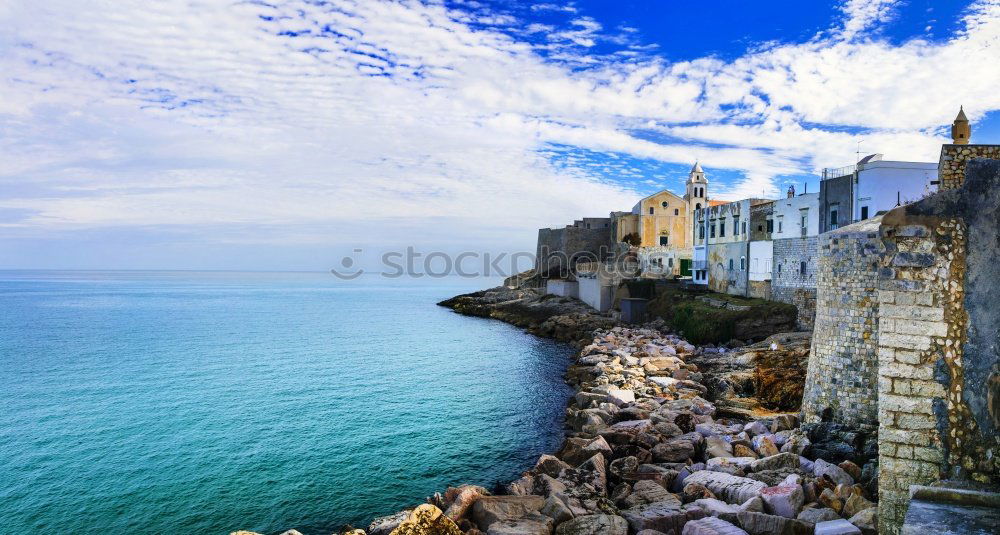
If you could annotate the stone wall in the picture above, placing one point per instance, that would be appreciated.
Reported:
(939, 361)
(721, 277)
(558, 250)
(841, 380)
(788, 284)
(951, 166)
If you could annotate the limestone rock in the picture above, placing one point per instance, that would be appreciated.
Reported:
(717, 447)
(852, 469)
(578, 450)
(816, 515)
(621, 397)
(855, 504)
(766, 447)
(594, 525)
(384, 525)
(490, 509)
(462, 498)
(644, 492)
(763, 524)
(866, 521)
(556, 509)
(732, 489)
(550, 465)
(784, 501)
(673, 451)
(742, 450)
(831, 500)
(427, 520)
(837, 474)
(667, 515)
(776, 462)
(711, 526)
(837, 527)
(532, 524)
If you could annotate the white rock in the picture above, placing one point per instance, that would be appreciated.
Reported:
(837, 527)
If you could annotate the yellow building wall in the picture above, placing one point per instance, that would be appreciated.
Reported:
(664, 222)
(627, 224)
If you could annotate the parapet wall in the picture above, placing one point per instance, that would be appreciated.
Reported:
(841, 380)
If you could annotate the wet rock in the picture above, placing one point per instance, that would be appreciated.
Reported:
(427, 520)
(764, 524)
(490, 509)
(732, 489)
(837, 527)
(783, 501)
(594, 525)
(711, 526)
(384, 525)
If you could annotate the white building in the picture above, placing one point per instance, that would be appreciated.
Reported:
(882, 185)
(796, 217)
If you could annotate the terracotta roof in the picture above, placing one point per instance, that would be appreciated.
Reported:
(717, 203)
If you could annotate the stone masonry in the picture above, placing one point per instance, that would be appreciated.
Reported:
(951, 166)
(788, 284)
(841, 380)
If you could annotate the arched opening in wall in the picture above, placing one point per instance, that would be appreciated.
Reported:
(697, 206)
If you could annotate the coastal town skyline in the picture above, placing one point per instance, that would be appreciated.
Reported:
(287, 136)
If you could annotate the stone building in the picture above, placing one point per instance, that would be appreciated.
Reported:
(793, 275)
(761, 250)
(727, 245)
(559, 249)
(937, 281)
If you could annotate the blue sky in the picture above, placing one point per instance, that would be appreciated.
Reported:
(283, 135)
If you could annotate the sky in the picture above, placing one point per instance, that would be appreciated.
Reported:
(287, 135)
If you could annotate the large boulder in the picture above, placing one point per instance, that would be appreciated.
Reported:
(462, 498)
(815, 515)
(490, 509)
(836, 474)
(532, 524)
(647, 491)
(837, 527)
(578, 450)
(711, 526)
(675, 450)
(866, 521)
(594, 525)
(784, 501)
(730, 488)
(764, 524)
(776, 462)
(427, 520)
(667, 515)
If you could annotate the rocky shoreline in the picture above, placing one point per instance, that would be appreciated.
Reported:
(646, 451)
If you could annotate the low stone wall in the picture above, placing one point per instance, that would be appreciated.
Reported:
(841, 381)
(951, 166)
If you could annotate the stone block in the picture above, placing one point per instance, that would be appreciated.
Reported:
(730, 488)
(711, 526)
(784, 501)
(837, 527)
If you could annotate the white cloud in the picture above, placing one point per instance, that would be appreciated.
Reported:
(401, 118)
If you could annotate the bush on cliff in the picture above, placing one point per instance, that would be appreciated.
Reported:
(714, 322)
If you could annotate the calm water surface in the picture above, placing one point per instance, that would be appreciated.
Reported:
(143, 402)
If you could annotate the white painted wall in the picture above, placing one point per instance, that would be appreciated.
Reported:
(788, 213)
(562, 288)
(595, 293)
(761, 258)
(879, 182)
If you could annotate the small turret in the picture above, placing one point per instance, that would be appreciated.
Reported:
(961, 131)
(791, 191)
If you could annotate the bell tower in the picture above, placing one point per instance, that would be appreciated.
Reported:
(696, 193)
(961, 131)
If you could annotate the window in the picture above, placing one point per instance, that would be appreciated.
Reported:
(722, 229)
(736, 226)
(802, 269)
(650, 210)
(663, 240)
(834, 215)
(779, 269)
(744, 228)
(743, 263)
(677, 211)
(664, 204)
(770, 225)
(701, 231)
(864, 212)
(804, 221)
(711, 232)
(730, 264)
(780, 224)
(670, 262)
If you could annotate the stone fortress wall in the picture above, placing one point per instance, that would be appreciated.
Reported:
(788, 284)
(924, 300)
(841, 380)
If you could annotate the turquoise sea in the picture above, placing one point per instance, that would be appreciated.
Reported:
(176, 402)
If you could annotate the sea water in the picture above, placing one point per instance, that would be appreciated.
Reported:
(176, 402)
